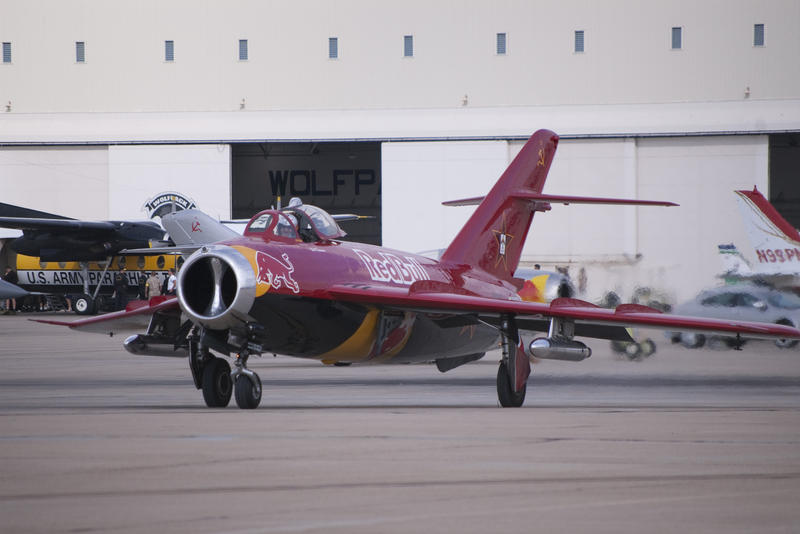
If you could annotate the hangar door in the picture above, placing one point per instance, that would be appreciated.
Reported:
(784, 168)
(337, 177)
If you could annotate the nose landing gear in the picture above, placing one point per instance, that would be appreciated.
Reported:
(248, 384)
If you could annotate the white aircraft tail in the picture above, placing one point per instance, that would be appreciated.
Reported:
(776, 244)
(733, 263)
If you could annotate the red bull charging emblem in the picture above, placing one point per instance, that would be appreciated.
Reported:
(276, 272)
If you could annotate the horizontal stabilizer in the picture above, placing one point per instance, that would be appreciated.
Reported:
(564, 199)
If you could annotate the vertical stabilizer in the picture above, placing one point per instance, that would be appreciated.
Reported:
(493, 237)
(733, 263)
(776, 244)
(193, 227)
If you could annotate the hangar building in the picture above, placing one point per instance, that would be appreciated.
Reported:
(389, 108)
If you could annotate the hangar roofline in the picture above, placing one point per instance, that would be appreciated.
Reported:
(747, 117)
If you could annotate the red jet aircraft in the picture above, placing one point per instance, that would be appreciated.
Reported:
(289, 286)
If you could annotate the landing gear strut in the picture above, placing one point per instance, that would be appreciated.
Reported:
(514, 369)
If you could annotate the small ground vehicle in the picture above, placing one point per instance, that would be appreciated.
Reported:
(741, 302)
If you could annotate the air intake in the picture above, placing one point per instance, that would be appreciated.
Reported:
(217, 287)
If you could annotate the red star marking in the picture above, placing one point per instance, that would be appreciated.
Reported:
(503, 242)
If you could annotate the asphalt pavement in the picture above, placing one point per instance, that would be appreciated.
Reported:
(93, 439)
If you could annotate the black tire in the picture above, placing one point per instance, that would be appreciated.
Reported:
(619, 346)
(248, 396)
(784, 343)
(633, 351)
(721, 342)
(84, 305)
(648, 347)
(690, 340)
(505, 393)
(217, 384)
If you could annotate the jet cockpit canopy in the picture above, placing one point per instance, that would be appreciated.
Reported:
(314, 224)
(297, 221)
(272, 224)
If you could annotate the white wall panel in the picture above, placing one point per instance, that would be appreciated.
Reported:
(679, 245)
(627, 56)
(418, 177)
(598, 168)
(673, 250)
(69, 181)
(139, 172)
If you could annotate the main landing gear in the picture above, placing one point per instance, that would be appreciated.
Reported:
(217, 384)
(214, 377)
(514, 369)
(506, 395)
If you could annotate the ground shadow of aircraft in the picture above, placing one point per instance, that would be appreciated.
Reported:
(290, 286)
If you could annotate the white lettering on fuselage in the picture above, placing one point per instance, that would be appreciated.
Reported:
(777, 255)
(73, 278)
(385, 267)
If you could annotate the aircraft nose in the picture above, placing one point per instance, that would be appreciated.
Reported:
(217, 287)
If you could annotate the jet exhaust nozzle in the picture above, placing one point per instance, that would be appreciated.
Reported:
(558, 349)
(153, 346)
(217, 287)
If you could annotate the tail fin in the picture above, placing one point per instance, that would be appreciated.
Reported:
(493, 237)
(776, 244)
(193, 227)
(733, 263)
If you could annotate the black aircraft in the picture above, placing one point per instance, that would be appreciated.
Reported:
(56, 238)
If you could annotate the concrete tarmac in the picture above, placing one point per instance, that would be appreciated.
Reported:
(93, 439)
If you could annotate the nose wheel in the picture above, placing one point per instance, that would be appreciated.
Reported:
(247, 384)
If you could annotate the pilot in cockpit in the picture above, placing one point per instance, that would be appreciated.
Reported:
(284, 228)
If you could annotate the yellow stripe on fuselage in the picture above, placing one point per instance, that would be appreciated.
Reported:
(358, 346)
(261, 286)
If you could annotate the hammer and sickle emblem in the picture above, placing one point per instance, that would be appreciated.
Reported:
(196, 226)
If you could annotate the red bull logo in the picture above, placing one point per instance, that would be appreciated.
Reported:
(277, 273)
(385, 267)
